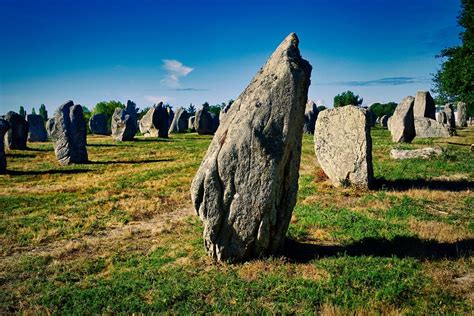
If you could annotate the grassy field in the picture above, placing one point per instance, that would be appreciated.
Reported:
(119, 235)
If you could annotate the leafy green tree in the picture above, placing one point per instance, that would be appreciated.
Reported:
(205, 106)
(455, 80)
(33, 111)
(43, 112)
(347, 98)
(22, 111)
(191, 109)
(87, 116)
(321, 108)
(381, 109)
(107, 107)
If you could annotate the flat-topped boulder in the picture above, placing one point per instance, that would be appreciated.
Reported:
(429, 128)
(98, 123)
(402, 123)
(180, 121)
(155, 122)
(343, 146)
(69, 133)
(424, 105)
(310, 117)
(36, 129)
(245, 189)
(4, 126)
(423, 153)
(17, 136)
(124, 122)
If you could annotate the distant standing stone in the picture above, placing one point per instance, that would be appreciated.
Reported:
(98, 124)
(384, 120)
(310, 117)
(205, 123)
(4, 126)
(180, 121)
(424, 105)
(450, 120)
(245, 189)
(17, 135)
(428, 128)
(69, 134)
(343, 146)
(191, 123)
(442, 118)
(124, 122)
(170, 116)
(155, 122)
(462, 114)
(36, 130)
(402, 122)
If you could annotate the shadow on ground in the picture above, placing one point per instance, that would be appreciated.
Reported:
(111, 162)
(401, 247)
(408, 184)
(101, 145)
(43, 172)
(20, 155)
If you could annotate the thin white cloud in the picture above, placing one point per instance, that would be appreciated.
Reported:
(158, 98)
(174, 71)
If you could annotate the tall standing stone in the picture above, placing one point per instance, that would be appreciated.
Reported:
(310, 117)
(17, 135)
(245, 189)
(69, 134)
(343, 146)
(124, 122)
(450, 120)
(191, 123)
(402, 122)
(170, 116)
(36, 130)
(4, 126)
(424, 105)
(462, 114)
(155, 122)
(98, 124)
(180, 121)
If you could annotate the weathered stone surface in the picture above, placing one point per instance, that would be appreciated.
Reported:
(428, 128)
(36, 130)
(170, 116)
(424, 105)
(124, 122)
(343, 146)
(155, 122)
(4, 126)
(402, 122)
(245, 188)
(191, 123)
(423, 153)
(180, 121)
(450, 120)
(442, 118)
(49, 126)
(69, 134)
(462, 114)
(99, 125)
(310, 117)
(205, 122)
(384, 120)
(372, 118)
(17, 135)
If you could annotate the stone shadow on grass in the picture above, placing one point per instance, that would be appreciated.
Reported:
(101, 145)
(408, 184)
(112, 162)
(44, 172)
(401, 246)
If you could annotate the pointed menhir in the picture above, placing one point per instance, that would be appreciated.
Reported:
(245, 189)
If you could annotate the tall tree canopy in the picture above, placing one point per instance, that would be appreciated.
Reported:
(22, 111)
(43, 112)
(455, 80)
(347, 98)
(107, 107)
(381, 109)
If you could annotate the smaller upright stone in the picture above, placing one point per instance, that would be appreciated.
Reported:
(343, 146)
(170, 116)
(205, 123)
(36, 130)
(402, 122)
(429, 128)
(442, 118)
(191, 123)
(450, 120)
(69, 134)
(155, 122)
(17, 135)
(424, 105)
(384, 120)
(180, 121)
(310, 117)
(462, 114)
(98, 124)
(4, 126)
(124, 122)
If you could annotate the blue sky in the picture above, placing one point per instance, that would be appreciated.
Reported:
(187, 52)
